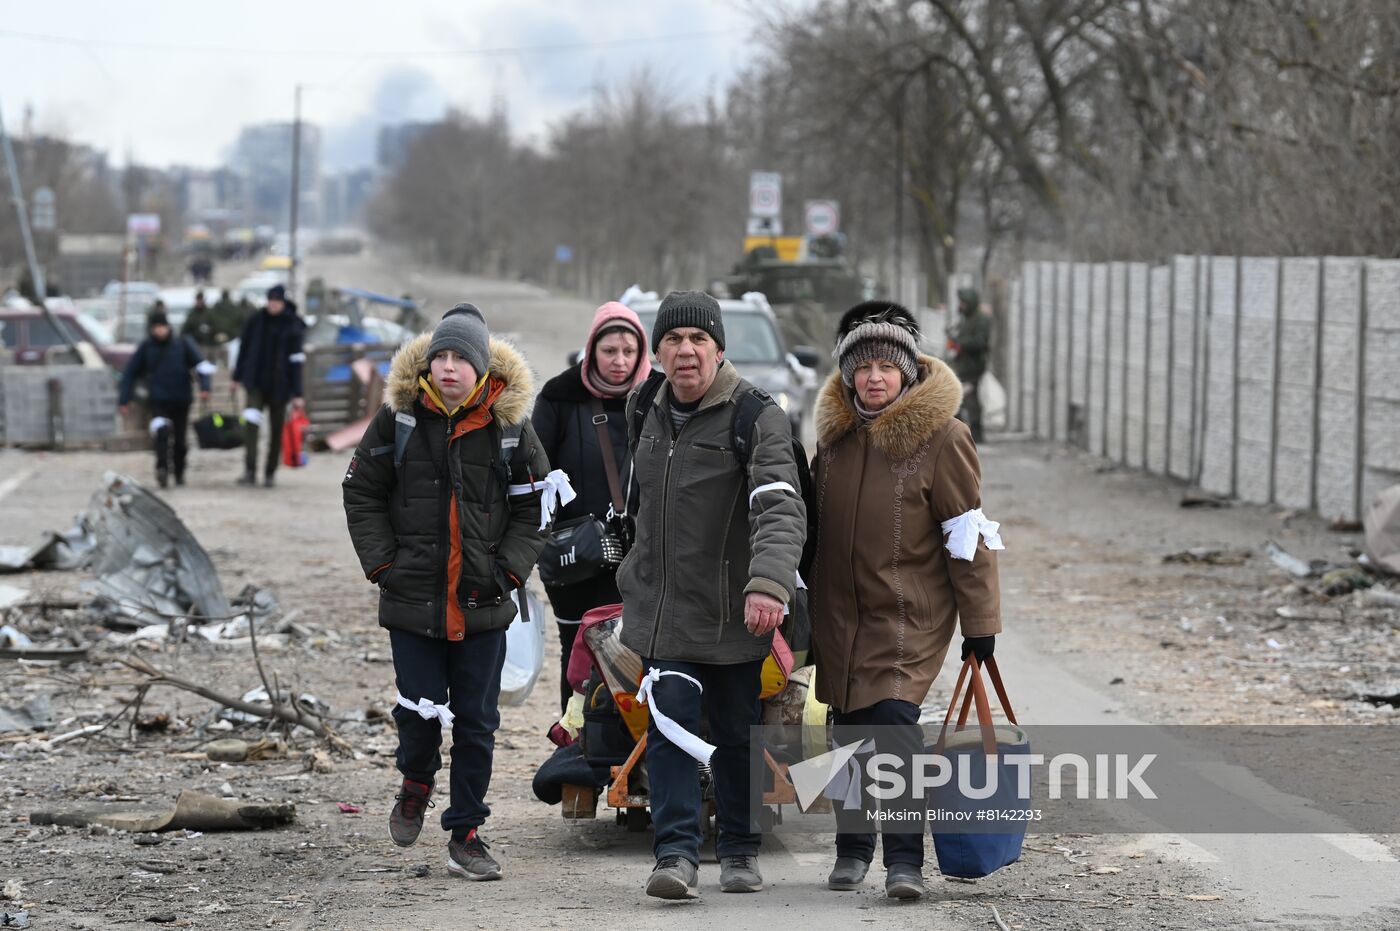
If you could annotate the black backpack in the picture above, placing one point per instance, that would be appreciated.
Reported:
(747, 407)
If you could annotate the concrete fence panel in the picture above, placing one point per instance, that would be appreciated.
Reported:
(1183, 357)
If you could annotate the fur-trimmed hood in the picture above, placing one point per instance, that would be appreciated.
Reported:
(401, 388)
(911, 419)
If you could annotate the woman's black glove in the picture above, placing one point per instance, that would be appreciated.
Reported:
(979, 646)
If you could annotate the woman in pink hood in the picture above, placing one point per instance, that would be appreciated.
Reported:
(574, 409)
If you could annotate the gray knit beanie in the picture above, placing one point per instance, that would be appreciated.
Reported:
(463, 330)
(868, 342)
(688, 308)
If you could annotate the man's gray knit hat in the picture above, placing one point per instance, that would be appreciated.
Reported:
(685, 309)
(879, 330)
(463, 330)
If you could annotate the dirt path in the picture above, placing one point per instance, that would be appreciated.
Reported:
(1088, 601)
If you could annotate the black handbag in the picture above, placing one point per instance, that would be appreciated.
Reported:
(582, 548)
(578, 550)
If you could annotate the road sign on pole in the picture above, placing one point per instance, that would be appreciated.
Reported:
(822, 217)
(45, 215)
(765, 226)
(143, 224)
(765, 194)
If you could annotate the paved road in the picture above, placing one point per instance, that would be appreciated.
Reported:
(1321, 880)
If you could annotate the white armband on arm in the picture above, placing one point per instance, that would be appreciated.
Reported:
(962, 532)
(556, 493)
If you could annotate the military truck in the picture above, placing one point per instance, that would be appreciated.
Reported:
(807, 294)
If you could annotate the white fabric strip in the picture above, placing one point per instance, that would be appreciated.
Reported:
(427, 710)
(964, 529)
(206, 368)
(771, 486)
(510, 442)
(297, 357)
(845, 782)
(557, 493)
(801, 584)
(253, 416)
(692, 745)
(158, 424)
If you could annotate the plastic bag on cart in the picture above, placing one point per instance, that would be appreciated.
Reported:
(620, 666)
(524, 654)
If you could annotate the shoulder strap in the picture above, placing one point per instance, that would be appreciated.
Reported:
(747, 408)
(404, 422)
(600, 424)
(510, 441)
(646, 396)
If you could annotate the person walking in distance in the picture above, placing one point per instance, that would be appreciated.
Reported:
(971, 343)
(165, 363)
(269, 369)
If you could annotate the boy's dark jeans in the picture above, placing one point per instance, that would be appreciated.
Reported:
(466, 676)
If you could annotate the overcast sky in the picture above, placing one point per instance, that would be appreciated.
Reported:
(172, 82)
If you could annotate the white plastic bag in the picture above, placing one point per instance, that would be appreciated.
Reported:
(993, 398)
(524, 654)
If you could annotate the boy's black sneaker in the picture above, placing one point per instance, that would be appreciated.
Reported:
(406, 820)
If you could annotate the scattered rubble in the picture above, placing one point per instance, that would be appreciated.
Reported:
(1382, 525)
(192, 811)
(1203, 555)
(1203, 499)
(1288, 562)
(34, 714)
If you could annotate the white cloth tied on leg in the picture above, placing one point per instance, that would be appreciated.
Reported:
(963, 530)
(557, 493)
(844, 786)
(158, 424)
(253, 416)
(428, 710)
(700, 750)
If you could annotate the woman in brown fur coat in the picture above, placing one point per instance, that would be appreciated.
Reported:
(904, 553)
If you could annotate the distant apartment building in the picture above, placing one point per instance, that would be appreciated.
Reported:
(263, 158)
(344, 197)
(213, 197)
(394, 143)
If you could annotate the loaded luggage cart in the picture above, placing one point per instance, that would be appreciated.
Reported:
(612, 734)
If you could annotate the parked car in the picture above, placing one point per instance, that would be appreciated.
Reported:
(179, 301)
(254, 287)
(146, 291)
(333, 329)
(33, 339)
(755, 346)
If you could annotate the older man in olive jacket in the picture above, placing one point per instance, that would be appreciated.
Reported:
(704, 587)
